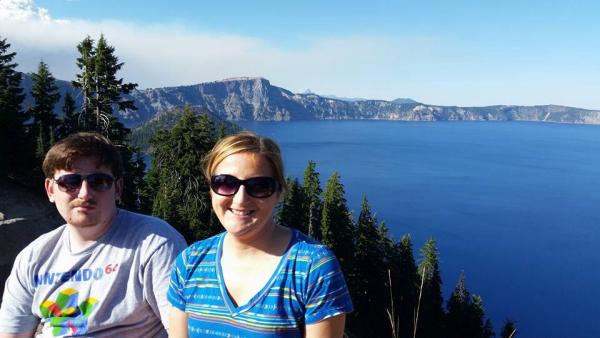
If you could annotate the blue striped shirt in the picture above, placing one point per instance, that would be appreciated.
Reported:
(306, 287)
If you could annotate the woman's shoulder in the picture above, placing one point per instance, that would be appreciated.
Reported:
(310, 248)
(203, 247)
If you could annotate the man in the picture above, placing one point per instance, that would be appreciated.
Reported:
(105, 273)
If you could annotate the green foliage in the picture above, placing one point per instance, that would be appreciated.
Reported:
(431, 316)
(177, 186)
(369, 277)
(291, 212)
(465, 317)
(45, 96)
(405, 285)
(142, 134)
(313, 203)
(13, 133)
(337, 229)
(104, 94)
(69, 120)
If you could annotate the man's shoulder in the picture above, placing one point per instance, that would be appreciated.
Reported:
(137, 229)
(42, 247)
(144, 225)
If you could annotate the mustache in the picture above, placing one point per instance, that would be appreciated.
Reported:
(79, 203)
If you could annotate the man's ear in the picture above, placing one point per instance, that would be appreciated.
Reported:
(48, 184)
(119, 183)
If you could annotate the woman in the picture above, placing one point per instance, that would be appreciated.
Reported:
(257, 278)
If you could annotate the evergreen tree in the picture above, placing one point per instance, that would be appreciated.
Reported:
(431, 312)
(291, 212)
(45, 96)
(368, 280)
(405, 284)
(337, 229)
(13, 133)
(103, 94)
(176, 182)
(465, 317)
(509, 329)
(68, 122)
(313, 204)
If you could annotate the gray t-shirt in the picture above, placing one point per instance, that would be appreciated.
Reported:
(114, 288)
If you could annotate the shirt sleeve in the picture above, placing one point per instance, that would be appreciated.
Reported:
(327, 293)
(16, 314)
(175, 294)
(156, 279)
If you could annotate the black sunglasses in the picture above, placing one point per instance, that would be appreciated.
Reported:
(258, 187)
(72, 182)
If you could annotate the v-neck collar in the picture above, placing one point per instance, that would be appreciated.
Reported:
(235, 310)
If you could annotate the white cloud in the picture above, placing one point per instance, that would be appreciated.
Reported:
(428, 69)
(169, 55)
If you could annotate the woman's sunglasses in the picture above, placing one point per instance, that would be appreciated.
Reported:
(96, 181)
(258, 187)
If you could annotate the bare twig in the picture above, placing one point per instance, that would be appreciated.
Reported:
(419, 302)
(514, 331)
(392, 314)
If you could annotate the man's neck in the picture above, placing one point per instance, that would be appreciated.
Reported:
(82, 237)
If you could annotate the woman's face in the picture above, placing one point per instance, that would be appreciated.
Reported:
(242, 215)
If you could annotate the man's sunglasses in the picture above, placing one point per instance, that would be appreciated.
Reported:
(258, 187)
(72, 182)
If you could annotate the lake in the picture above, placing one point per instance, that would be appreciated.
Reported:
(512, 204)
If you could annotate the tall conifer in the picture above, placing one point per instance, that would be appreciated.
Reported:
(337, 229)
(291, 212)
(368, 280)
(313, 204)
(69, 119)
(103, 94)
(44, 92)
(431, 313)
(13, 133)
(405, 283)
(176, 181)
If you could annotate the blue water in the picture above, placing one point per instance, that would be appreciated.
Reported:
(514, 205)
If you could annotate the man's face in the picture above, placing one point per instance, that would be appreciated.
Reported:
(85, 207)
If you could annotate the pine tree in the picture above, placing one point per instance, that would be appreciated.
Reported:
(13, 133)
(45, 96)
(368, 280)
(68, 122)
(313, 204)
(103, 95)
(431, 312)
(465, 317)
(176, 182)
(405, 283)
(337, 229)
(291, 212)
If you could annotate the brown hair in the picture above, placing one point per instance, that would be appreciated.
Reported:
(246, 141)
(84, 144)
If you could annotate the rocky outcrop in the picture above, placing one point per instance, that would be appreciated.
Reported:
(26, 216)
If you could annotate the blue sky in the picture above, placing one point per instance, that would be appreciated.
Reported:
(467, 53)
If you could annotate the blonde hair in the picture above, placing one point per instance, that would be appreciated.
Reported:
(243, 142)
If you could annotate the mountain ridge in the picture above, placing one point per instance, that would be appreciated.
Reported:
(256, 99)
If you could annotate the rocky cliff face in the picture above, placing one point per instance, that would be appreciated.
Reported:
(255, 99)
